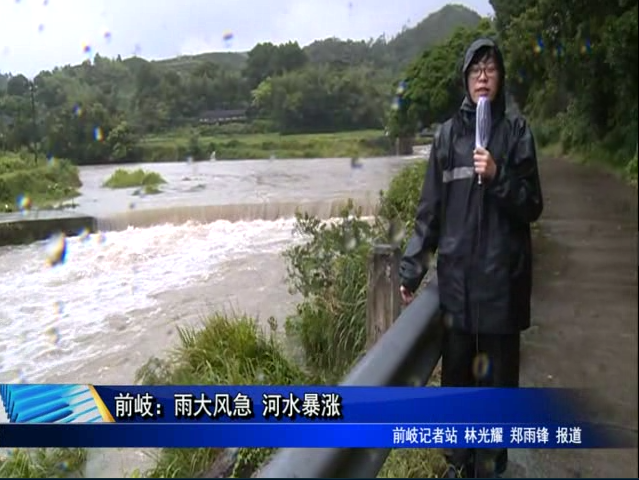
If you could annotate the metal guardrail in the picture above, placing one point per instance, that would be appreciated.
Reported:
(405, 355)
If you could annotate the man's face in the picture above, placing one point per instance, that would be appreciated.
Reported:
(483, 80)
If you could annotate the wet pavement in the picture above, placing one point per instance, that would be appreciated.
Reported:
(584, 331)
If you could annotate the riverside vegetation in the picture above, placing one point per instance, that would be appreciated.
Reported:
(25, 182)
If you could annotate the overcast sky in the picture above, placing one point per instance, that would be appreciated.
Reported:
(41, 34)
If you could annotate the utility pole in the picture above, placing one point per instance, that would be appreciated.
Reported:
(34, 123)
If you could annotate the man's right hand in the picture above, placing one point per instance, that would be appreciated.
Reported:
(407, 296)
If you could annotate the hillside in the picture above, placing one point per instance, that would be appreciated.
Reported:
(435, 28)
(395, 53)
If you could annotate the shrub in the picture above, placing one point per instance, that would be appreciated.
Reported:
(329, 272)
(226, 351)
(42, 463)
(43, 181)
(122, 178)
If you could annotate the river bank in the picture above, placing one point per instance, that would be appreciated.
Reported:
(27, 183)
(52, 184)
(202, 144)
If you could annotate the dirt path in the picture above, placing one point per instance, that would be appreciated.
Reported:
(584, 330)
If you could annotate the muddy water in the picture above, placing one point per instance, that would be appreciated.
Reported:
(212, 240)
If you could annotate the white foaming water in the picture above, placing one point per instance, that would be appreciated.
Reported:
(54, 317)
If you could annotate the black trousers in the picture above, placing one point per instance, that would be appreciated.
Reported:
(470, 360)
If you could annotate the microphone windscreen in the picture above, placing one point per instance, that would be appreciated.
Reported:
(483, 122)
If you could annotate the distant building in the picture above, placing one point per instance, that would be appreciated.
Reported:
(222, 116)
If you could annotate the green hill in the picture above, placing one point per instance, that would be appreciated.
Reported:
(436, 27)
(395, 53)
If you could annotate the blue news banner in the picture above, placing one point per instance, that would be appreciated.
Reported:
(323, 417)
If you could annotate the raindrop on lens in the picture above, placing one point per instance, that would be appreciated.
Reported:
(57, 249)
(481, 366)
(396, 231)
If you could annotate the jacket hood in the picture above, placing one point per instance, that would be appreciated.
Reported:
(498, 105)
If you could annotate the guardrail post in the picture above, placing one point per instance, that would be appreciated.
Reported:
(383, 303)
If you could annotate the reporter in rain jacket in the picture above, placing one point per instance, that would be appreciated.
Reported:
(482, 234)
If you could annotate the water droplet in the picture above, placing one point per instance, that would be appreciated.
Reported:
(77, 110)
(54, 335)
(24, 203)
(586, 47)
(100, 238)
(107, 35)
(481, 366)
(83, 234)
(98, 134)
(350, 242)
(56, 249)
(59, 307)
(272, 323)
(227, 38)
(539, 45)
(86, 48)
(396, 231)
(415, 382)
(41, 28)
(448, 320)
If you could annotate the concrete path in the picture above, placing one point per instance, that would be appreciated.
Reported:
(584, 330)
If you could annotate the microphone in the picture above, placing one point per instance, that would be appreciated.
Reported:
(482, 125)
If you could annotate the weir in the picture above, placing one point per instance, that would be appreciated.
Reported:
(20, 228)
(26, 227)
(268, 211)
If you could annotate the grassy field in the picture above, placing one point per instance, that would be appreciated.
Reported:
(182, 144)
(26, 184)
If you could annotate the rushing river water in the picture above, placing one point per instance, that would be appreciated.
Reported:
(212, 240)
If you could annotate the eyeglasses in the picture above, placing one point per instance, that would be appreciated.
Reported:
(475, 71)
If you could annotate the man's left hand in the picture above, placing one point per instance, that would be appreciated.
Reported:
(485, 165)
